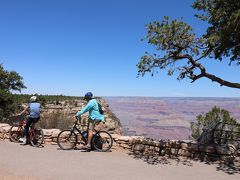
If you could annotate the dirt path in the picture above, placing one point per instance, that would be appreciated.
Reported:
(49, 163)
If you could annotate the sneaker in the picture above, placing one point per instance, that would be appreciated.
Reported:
(23, 140)
(86, 147)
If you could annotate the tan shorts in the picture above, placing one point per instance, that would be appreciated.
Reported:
(92, 124)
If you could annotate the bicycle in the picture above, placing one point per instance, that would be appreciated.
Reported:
(68, 139)
(35, 135)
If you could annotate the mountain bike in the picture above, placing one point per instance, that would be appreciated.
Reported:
(68, 139)
(35, 135)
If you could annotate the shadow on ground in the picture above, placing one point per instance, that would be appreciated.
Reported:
(229, 166)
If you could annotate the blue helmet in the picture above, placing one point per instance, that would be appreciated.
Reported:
(88, 95)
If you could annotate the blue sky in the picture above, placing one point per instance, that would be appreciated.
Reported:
(73, 46)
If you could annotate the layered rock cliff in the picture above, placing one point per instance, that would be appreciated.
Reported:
(61, 115)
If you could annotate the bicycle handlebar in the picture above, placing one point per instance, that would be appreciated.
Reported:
(78, 119)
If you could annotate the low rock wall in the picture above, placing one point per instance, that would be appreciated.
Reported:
(142, 146)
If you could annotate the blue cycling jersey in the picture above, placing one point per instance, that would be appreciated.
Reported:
(34, 110)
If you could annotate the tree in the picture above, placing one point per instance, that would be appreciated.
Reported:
(219, 120)
(8, 81)
(181, 50)
(6, 104)
(223, 36)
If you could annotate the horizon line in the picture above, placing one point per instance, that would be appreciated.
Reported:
(127, 96)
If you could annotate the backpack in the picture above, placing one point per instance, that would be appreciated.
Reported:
(100, 108)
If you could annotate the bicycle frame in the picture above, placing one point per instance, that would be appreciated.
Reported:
(17, 130)
(21, 125)
(74, 127)
(31, 131)
(79, 131)
(68, 139)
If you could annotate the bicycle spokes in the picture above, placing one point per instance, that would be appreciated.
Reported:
(36, 137)
(67, 139)
(102, 141)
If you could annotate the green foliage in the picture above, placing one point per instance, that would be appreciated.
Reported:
(167, 35)
(214, 117)
(179, 50)
(6, 104)
(173, 38)
(43, 99)
(223, 34)
(9, 81)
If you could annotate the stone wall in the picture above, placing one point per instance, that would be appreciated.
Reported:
(143, 146)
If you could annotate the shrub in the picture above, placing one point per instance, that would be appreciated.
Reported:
(218, 121)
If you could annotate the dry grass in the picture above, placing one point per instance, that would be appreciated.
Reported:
(56, 120)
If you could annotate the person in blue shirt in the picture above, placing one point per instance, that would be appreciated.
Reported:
(33, 111)
(94, 116)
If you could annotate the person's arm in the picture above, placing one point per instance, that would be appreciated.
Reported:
(85, 109)
(25, 111)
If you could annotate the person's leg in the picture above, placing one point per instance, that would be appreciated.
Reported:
(90, 131)
(34, 121)
(26, 129)
(90, 136)
(91, 125)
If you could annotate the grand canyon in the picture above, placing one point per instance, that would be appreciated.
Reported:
(166, 117)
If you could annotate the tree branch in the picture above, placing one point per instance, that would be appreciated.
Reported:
(203, 73)
(221, 81)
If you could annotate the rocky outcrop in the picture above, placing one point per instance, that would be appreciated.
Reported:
(69, 109)
(4, 131)
(61, 115)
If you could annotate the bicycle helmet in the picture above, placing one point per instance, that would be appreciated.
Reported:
(33, 98)
(88, 95)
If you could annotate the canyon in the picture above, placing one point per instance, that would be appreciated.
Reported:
(166, 117)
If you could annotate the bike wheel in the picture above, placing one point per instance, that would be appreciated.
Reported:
(102, 141)
(36, 137)
(14, 134)
(67, 139)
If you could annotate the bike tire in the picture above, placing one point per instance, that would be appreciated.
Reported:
(67, 140)
(102, 141)
(36, 138)
(14, 134)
